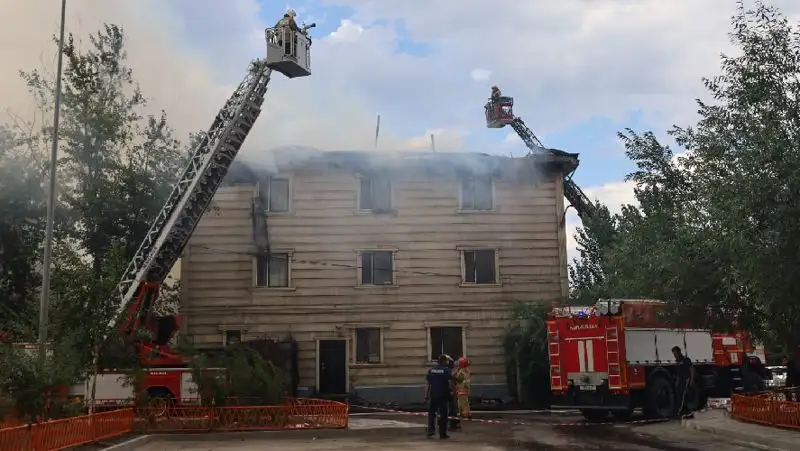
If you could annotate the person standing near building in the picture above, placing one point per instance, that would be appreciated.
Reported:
(684, 381)
(793, 376)
(462, 381)
(437, 394)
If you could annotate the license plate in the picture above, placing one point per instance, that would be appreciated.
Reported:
(588, 388)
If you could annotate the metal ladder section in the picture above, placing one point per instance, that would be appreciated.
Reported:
(555, 356)
(576, 197)
(172, 228)
(613, 357)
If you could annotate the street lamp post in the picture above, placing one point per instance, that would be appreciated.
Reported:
(44, 300)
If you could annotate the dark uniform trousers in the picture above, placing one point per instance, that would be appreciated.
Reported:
(438, 406)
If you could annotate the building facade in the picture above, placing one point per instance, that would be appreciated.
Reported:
(375, 264)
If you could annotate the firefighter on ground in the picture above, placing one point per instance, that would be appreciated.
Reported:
(462, 381)
(452, 409)
(684, 381)
(437, 395)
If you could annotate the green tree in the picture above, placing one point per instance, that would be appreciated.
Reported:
(526, 350)
(587, 273)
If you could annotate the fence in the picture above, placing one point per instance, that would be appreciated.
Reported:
(67, 433)
(779, 408)
(296, 413)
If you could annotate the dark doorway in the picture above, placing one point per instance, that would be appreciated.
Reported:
(332, 367)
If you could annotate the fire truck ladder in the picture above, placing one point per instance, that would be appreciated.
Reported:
(172, 228)
(576, 197)
(613, 356)
(555, 356)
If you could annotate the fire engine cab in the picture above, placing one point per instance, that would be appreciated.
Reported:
(616, 356)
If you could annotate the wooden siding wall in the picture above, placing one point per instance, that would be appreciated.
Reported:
(323, 231)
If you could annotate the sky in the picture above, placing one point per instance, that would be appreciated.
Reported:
(579, 70)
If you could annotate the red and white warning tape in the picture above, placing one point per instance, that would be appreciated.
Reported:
(516, 422)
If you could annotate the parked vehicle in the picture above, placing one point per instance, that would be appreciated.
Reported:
(616, 356)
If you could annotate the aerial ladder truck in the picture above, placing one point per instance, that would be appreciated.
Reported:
(288, 52)
(499, 113)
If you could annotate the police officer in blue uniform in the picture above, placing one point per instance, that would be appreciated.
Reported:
(437, 395)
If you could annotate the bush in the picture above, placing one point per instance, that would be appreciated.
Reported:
(527, 356)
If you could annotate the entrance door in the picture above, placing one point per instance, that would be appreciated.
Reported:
(332, 367)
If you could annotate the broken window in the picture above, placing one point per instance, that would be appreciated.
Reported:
(375, 194)
(233, 337)
(446, 340)
(368, 345)
(272, 271)
(377, 268)
(278, 195)
(476, 193)
(479, 266)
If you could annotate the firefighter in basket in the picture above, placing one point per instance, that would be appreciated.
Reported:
(286, 27)
(496, 94)
(462, 381)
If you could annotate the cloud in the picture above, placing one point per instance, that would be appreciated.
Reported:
(480, 74)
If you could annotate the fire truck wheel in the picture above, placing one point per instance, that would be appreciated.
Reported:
(660, 397)
(160, 400)
(594, 415)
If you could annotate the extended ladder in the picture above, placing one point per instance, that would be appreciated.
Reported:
(572, 192)
(174, 224)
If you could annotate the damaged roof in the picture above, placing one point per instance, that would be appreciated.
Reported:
(297, 159)
(304, 158)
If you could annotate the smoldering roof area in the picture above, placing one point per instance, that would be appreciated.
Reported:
(249, 169)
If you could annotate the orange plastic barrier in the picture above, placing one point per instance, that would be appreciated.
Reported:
(295, 414)
(67, 433)
(779, 408)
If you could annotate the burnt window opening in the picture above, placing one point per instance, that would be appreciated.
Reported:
(375, 194)
(278, 195)
(368, 345)
(476, 193)
(446, 340)
(233, 337)
(479, 266)
(272, 271)
(377, 268)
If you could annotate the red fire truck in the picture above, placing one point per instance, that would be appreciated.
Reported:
(616, 356)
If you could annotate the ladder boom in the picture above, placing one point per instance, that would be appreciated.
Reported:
(576, 197)
(172, 228)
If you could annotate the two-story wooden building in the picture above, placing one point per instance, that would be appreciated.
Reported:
(376, 263)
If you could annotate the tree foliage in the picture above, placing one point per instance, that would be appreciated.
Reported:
(526, 350)
(116, 165)
(715, 228)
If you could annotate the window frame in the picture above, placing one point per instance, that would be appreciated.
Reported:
(268, 193)
(372, 211)
(360, 267)
(463, 264)
(289, 258)
(224, 329)
(381, 355)
(460, 207)
(429, 357)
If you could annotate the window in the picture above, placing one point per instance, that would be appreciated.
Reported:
(368, 345)
(278, 195)
(476, 193)
(375, 195)
(233, 337)
(377, 268)
(272, 270)
(446, 340)
(479, 266)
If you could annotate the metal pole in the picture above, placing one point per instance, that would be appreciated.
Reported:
(44, 301)
(377, 131)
